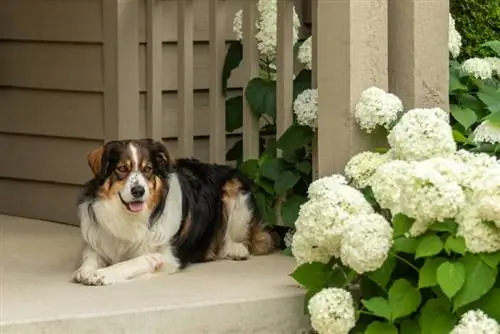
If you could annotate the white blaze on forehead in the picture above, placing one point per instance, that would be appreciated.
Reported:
(134, 155)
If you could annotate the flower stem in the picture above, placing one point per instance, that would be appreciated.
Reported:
(405, 261)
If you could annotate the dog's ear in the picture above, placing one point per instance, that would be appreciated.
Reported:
(100, 158)
(160, 156)
(94, 160)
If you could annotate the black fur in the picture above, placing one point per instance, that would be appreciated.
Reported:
(202, 185)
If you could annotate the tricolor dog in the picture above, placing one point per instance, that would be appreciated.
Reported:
(143, 212)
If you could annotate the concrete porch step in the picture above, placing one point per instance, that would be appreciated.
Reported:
(37, 259)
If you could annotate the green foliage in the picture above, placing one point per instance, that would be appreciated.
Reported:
(420, 291)
(280, 181)
(473, 101)
(477, 21)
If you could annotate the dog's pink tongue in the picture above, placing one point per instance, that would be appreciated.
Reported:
(135, 206)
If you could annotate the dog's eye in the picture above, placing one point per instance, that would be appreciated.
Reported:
(122, 169)
(148, 169)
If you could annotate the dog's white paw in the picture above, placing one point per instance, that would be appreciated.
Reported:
(169, 264)
(236, 251)
(82, 274)
(102, 277)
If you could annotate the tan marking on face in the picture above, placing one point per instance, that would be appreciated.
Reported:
(110, 189)
(155, 189)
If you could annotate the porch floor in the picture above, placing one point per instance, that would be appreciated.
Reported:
(37, 259)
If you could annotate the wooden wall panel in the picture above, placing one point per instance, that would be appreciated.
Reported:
(52, 113)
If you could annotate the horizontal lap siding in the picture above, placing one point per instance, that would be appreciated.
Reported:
(52, 102)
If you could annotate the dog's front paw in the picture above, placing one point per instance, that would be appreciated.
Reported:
(236, 251)
(82, 274)
(101, 277)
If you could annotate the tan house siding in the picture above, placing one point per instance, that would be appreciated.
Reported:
(52, 96)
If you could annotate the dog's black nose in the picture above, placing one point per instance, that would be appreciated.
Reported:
(137, 191)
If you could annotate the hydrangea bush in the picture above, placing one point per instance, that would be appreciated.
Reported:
(475, 97)
(406, 241)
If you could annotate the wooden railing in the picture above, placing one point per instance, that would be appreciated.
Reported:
(397, 45)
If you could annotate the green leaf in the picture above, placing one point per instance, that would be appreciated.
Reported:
(250, 167)
(311, 275)
(493, 45)
(489, 304)
(493, 118)
(428, 245)
(265, 184)
(491, 259)
(459, 137)
(444, 226)
(267, 212)
(401, 224)
(451, 277)
(455, 244)
(234, 113)
(465, 116)
(436, 318)
(489, 99)
(479, 279)
(382, 275)
(455, 85)
(377, 327)
(295, 137)
(494, 108)
(272, 168)
(404, 298)
(409, 326)
(234, 56)
(378, 306)
(405, 245)
(427, 275)
(290, 209)
(261, 96)
(286, 181)
(304, 167)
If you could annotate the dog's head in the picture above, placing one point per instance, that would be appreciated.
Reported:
(133, 171)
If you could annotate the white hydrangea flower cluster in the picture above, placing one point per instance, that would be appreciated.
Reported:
(479, 236)
(495, 64)
(304, 54)
(454, 38)
(479, 68)
(266, 26)
(377, 108)
(385, 184)
(305, 108)
(429, 196)
(366, 242)
(322, 220)
(476, 322)
(332, 311)
(305, 252)
(486, 132)
(361, 167)
(320, 188)
(422, 134)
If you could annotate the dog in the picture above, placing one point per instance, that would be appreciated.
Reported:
(142, 213)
